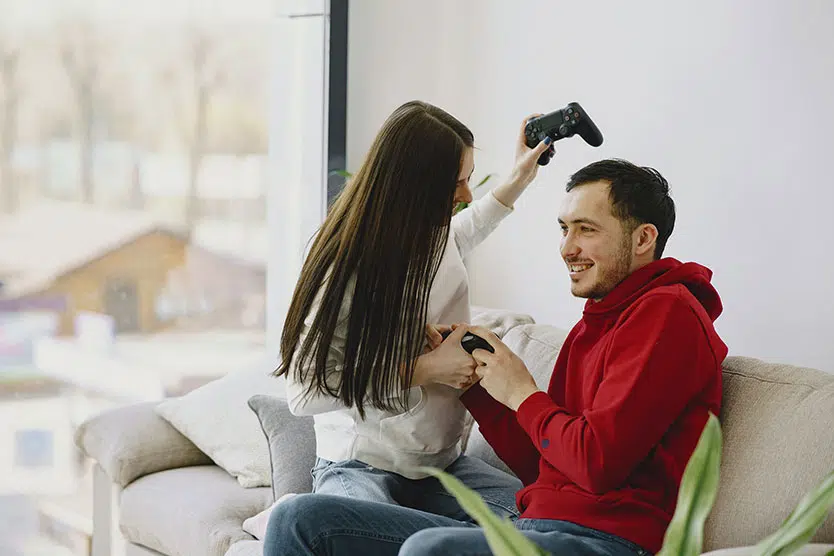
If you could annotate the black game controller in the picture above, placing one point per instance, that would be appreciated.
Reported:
(562, 123)
(470, 342)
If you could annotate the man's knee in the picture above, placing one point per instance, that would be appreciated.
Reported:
(442, 541)
(420, 543)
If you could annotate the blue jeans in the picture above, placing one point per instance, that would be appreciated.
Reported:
(560, 538)
(359, 481)
(334, 525)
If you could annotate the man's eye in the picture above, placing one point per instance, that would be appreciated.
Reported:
(586, 229)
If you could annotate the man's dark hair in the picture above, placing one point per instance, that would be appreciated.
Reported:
(639, 195)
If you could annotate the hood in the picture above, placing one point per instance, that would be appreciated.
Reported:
(664, 272)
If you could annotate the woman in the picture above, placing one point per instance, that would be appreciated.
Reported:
(361, 347)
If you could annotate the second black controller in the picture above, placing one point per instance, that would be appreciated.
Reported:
(565, 122)
(470, 342)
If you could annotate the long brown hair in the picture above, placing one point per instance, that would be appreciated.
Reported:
(388, 229)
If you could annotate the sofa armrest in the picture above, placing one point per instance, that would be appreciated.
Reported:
(133, 441)
(107, 538)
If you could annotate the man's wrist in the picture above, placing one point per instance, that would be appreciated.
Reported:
(466, 387)
(520, 396)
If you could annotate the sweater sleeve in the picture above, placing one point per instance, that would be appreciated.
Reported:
(502, 431)
(473, 224)
(659, 360)
(299, 400)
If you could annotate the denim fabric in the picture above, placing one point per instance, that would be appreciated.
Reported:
(560, 538)
(359, 481)
(335, 525)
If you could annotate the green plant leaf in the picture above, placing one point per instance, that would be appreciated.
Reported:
(483, 181)
(699, 485)
(801, 525)
(342, 173)
(503, 538)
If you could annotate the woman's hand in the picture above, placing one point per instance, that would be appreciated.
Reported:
(434, 335)
(526, 166)
(526, 159)
(447, 363)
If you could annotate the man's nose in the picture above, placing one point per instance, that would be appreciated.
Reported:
(569, 247)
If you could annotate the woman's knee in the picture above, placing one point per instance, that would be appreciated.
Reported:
(297, 524)
(301, 513)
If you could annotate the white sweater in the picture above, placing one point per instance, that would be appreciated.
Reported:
(429, 433)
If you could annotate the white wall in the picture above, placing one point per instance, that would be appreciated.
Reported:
(732, 102)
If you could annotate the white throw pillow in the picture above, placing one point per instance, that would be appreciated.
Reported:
(257, 525)
(218, 420)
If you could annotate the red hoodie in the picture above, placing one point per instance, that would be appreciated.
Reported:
(630, 394)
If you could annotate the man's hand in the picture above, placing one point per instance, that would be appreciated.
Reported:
(503, 374)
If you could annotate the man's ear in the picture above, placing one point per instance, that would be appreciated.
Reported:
(645, 238)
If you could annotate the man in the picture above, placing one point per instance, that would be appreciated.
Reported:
(602, 452)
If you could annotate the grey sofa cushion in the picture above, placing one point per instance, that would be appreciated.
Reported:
(133, 441)
(499, 321)
(189, 512)
(778, 428)
(292, 445)
(807, 550)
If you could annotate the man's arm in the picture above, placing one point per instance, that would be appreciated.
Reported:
(503, 432)
(652, 372)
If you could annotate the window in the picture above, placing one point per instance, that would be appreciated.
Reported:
(33, 449)
(133, 176)
(121, 302)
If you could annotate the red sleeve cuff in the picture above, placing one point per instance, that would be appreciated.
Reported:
(530, 409)
(471, 396)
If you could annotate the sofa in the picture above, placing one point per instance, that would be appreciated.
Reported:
(157, 493)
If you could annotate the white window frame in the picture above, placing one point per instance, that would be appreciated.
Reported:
(297, 195)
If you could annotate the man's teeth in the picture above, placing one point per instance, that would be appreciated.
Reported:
(579, 267)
